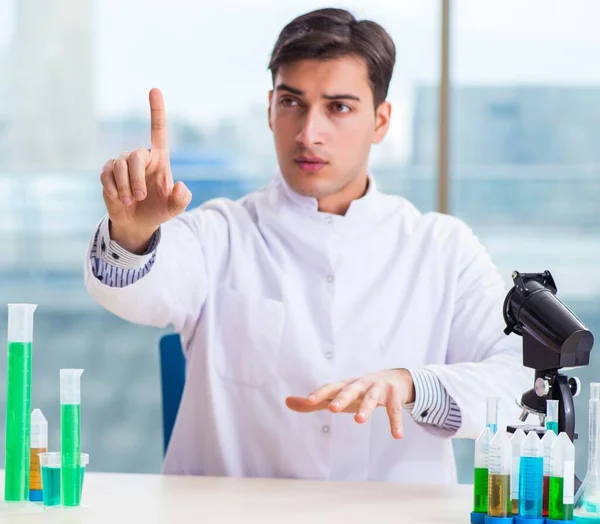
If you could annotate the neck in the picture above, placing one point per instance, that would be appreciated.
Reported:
(338, 203)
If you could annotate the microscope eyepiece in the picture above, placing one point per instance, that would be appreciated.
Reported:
(553, 336)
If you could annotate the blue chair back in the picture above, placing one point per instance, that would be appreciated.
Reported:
(172, 378)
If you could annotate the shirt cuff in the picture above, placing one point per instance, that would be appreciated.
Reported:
(433, 405)
(115, 255)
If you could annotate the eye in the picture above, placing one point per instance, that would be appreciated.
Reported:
(288, 102)
(338, 107)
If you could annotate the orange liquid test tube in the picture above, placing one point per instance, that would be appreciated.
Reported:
(35, 470)
(39, 444)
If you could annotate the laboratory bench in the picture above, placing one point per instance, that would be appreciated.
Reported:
(139, 499)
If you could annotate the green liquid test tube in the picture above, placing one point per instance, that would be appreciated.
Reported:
(480, 481)
(562, 479)
(18, 402)
(70, 436)
(547, 442)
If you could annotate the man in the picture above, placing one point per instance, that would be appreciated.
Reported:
(317, 283)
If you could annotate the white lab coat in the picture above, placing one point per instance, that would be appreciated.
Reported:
(274, 298)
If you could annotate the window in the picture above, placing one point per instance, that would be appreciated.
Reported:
(525, 155)
(76, 95)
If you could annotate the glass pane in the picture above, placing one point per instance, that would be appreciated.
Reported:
(526, 150)
(75, 77)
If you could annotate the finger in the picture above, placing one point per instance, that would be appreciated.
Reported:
(121, 174)
(348, 394)
(109, 187)
(303, 405)
(108, 165)
(179, 199)
(369, 403)
(136, 164)
(158, 121)
(328, 391)
(394, 411)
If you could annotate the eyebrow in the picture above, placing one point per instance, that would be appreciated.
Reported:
(298, 92)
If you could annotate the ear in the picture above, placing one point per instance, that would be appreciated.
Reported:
(269, 110)
(382, 121)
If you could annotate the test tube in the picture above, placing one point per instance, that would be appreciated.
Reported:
(480, 488)
(18, 402)
(39, 444)
(499, 465)
(547, 442)
(562, 479)
(516, 441)
(587, 498)
(492, 414)
(531, 479)
(552, 415)
(70, 436)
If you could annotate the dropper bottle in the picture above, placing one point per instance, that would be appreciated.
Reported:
(39, 444)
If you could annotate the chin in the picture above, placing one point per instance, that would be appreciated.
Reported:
(314, 185)
(311, 186)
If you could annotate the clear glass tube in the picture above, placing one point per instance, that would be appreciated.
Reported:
(552, 415)
(492, 414)
(587, 500)
(18, 402)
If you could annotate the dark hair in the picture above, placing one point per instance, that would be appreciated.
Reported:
(327, 34)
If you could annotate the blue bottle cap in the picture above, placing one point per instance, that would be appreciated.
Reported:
(579, 521)
(477, 518)
(523, 520)
(36, 495)
(499, 520)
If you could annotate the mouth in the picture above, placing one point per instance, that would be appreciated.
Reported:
(310, 164)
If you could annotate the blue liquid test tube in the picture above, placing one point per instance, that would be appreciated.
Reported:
(492, 414)
(531, 480)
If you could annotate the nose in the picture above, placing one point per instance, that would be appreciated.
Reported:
(312, 130)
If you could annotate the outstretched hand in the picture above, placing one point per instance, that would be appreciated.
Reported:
(391, 389)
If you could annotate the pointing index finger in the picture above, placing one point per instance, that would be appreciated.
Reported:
(158, 120)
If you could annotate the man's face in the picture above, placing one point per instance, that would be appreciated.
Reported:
(324, 122)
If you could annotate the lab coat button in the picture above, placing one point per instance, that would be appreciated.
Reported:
(329, 355)
(330, 278)
(325, 429)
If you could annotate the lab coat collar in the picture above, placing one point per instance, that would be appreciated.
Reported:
(361, 208)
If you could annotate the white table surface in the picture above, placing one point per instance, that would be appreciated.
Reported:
(115, 498)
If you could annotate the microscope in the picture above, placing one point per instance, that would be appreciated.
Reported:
(553, 338)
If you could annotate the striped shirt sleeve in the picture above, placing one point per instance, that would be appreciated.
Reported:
(115, 266)
(433, 405)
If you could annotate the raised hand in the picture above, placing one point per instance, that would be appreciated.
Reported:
(138, 187)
